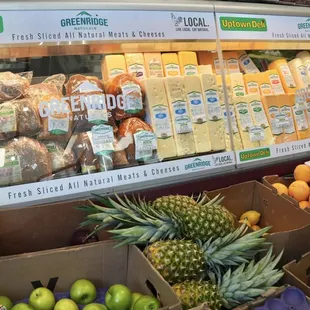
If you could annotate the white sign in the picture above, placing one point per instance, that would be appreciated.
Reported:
(275, 151)
(111, 181)
(99, 25)
(262, 27)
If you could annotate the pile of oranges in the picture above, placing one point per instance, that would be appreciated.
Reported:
(299, 189)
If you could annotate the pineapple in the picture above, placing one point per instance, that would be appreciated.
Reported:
(181, 260)
(234, 288)
(168, 217)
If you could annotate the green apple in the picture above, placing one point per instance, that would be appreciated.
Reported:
(95, 306)
(118, 297)
(146, 303)
(66, 304)
(42, 299)
(134, 298)
(83, 292)
(22, 306)
(6, 302)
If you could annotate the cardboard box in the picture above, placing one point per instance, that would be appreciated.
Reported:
(101, 263)
(290, 225)
(38, 228)
(297, 273)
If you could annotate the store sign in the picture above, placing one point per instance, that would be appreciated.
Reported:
(262, 27)
(115, 180)
(93, 25)
(275, 151)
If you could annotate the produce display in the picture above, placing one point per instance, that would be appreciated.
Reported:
(84, 295)
(299, 188)
(193, 244)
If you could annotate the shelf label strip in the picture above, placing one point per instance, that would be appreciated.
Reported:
(235, 27)
(97, 25)
(273, 151)
(111, 181)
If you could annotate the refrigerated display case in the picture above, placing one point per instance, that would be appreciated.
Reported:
(129, 95)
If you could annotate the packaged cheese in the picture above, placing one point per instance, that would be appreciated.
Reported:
(305, 58)
(135, 65)
(216, 63)
(198, 114)
(159, 117)
(205, 69)
(232, 62)
(153, 65)
(237, 84)
(113, 65)
(188, 63)
(275, 82)
(251, 81)
(286, 107)
(246, 63)
(264, 84)
(219, 81)
(287, 79)
(245, 122)
(299, 72)
(215, 119)
(275, 118)
(171, 64)
(300, 119)
(181, 121)
(262, 131)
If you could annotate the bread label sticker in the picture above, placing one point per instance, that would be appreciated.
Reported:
(137, 70)
(244, 116)
(7, 118)
(197, 107)
(213, 105)
(145, 144)
(190, 69)
(58, 123)
(155, 68)
(132, 97)
(257, 134)
(258, 113)
(102, 139)
(162, 121)
(10, 169)
(232, 118)
(182, 120)
(172, 69)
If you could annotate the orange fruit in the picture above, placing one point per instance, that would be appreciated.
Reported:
(281, 188)
(302, 173)
(304, 204)
(255, 227)
(299, 190)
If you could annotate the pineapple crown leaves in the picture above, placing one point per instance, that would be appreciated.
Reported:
(233, 249)
(249, 281)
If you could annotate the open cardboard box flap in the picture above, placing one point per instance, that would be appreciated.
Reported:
(100, 262)
(297, 273)
(290, 225)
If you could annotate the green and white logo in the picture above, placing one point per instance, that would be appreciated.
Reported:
(198, 164)
(305, 25)
(243, 24)
(84, 19)
(1, 24)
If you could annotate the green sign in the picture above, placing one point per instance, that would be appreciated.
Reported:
(1, 24)
(254, 154)
(243, 24)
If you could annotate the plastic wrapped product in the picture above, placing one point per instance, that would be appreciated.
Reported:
(128, 95)
(141, 141)
(8, 122)
(88, 102)
(63, 160)
(23, 160)
(13, 86)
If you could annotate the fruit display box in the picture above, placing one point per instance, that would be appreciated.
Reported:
(101, 263)
(38, 228)
(290, 225)
(297, 273)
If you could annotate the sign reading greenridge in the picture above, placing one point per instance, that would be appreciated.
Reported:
(1, 24)
(254, 154)
(243, 24)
